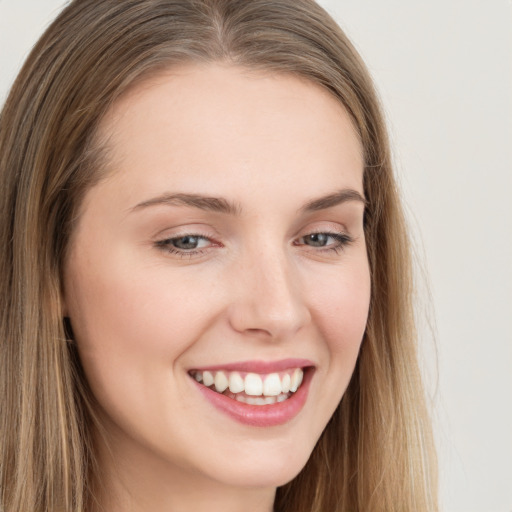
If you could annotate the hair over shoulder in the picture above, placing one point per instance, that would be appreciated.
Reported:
(376, 454)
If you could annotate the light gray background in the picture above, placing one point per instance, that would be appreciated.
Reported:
(444, 71)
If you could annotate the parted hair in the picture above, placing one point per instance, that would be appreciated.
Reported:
(376, 454)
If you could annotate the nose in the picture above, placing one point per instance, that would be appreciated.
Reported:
(269, 299)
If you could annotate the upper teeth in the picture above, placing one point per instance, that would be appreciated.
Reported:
(254, 384)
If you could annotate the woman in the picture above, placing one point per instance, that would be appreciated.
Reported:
(206, 273)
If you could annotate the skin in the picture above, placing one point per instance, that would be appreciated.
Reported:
(258, 289)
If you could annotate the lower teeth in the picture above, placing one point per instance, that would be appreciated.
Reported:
(257, 400)
(260, 400)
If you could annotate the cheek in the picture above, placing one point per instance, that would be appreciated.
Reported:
(131, 312)
(341, 310)
(130, 327)
(131, 331)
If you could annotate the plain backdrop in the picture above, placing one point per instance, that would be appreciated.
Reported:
(444, 71)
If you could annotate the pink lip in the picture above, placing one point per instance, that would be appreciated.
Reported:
(260, 415)
(259, 366)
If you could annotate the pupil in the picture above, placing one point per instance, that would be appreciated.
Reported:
(318, 239)
(186, 242)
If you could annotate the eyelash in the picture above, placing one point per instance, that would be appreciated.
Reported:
(167, 246)
(342, 240)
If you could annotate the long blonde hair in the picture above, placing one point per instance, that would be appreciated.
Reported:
(376, 453)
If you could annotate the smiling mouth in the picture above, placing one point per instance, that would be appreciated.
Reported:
(252, 388)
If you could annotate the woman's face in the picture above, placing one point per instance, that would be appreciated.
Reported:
(226, 244)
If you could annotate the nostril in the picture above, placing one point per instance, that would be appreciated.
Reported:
(268, 301)
(273, 319)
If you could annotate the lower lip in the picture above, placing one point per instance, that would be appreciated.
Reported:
(260, 415)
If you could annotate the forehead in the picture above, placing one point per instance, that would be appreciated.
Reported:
(205, 125)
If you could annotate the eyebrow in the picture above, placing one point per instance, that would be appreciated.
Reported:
(221, 205)
(212, 204)
(331, 200)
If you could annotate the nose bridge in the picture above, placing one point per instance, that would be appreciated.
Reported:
(271, 298)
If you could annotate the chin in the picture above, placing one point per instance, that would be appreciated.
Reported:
(265, 469)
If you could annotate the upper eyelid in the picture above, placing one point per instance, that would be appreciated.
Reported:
(164, 235)
(332, 231)
(336, 234)
(168, 239)
(340, 238)
(208, 230)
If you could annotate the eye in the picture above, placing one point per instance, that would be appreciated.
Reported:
(188, 242)
(186, 245)
(317, 239)
(326, 241)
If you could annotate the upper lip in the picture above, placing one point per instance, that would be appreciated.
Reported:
(258, 366)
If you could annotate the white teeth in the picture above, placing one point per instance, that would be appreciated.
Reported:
(272, 385)
(296, 380)
(221, 382)
(207, 379)
(236, 383)
(285, 383)
(269, 400)
(267, 386)
(253, 384)
(300, 378)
